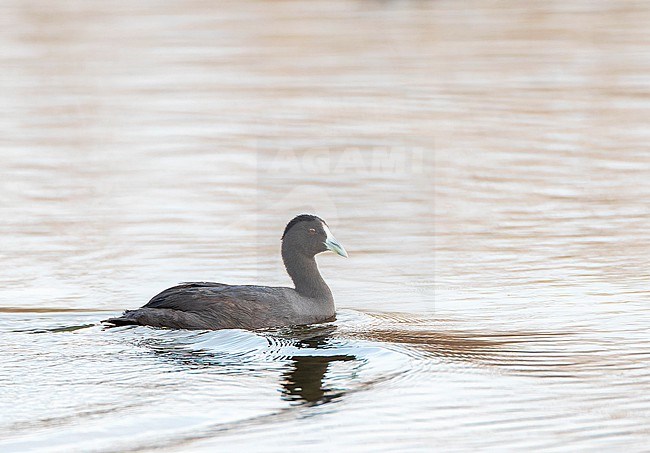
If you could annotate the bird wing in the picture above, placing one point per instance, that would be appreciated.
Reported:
(188, 296)
(244, 305)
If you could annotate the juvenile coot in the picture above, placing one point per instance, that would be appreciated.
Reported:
(205, 305)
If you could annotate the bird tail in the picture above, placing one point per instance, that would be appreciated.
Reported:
(124, 320)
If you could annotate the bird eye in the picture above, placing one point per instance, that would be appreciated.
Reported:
(312, 231)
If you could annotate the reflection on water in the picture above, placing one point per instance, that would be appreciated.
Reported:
(485, 163)
(304, 353)
(304, 381)
(304, 378)
(206, 386)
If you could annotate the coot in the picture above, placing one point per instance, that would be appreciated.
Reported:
(205, 305)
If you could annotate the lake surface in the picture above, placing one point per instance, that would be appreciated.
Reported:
(486, 165)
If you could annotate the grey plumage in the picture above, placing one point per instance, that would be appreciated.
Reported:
(205, 305)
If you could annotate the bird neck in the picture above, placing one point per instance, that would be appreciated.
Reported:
(306, 277)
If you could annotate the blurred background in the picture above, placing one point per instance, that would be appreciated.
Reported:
(485, 163)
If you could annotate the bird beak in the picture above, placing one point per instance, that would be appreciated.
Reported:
(332, 244)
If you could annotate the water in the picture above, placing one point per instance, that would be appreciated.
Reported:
(485, 164)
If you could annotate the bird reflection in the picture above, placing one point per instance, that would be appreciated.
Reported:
(304, 382)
